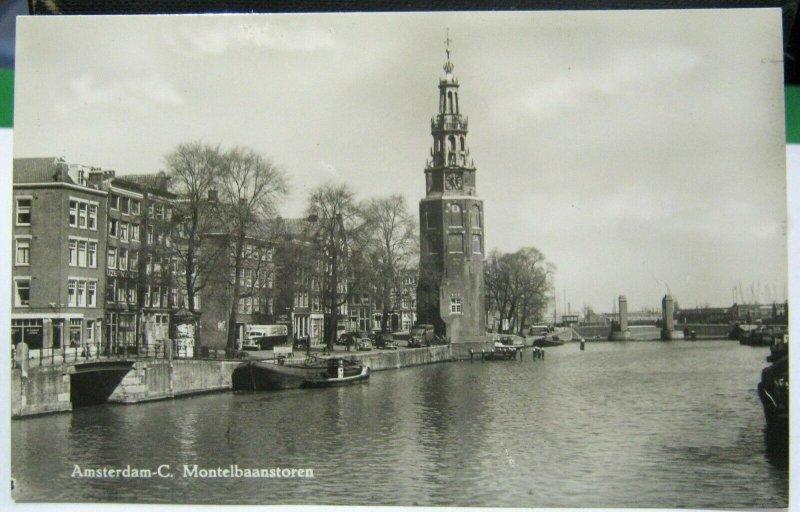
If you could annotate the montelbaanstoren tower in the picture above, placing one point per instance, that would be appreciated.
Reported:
(450, 294)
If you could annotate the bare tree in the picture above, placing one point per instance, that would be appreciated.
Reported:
(517, 285)
(250, 186)
(339, 236)
(393, 243)
(193, 168)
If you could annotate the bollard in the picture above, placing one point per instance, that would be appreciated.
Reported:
(583, 345)
(542, 353)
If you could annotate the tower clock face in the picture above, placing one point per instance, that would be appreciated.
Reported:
(454, 182)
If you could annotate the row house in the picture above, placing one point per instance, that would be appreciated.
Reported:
(58, 239)
(299, 296)
(141, 285)
(256, 281)
(402, 303)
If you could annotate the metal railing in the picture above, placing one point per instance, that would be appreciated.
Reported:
(92, 352)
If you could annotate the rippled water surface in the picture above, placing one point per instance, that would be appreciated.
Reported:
(644, 424)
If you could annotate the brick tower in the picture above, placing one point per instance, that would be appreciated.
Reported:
(450, 294)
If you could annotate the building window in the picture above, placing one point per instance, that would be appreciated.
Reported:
(122, 259)
(81, 298)
(71, 288)
(110, 290)
(122, 292)
(91, 255)
(91, 294)
(132, 295)
(456, 219)
(147, 297)
(112, 257)
(112, 227)
(82, 253)
(89, 331)
(133, 260)
(93, 217)
(455, 305)
(135, 232)
(155, 297)
(113, 202)
(24, 211)
(124, 204)
(476, 244)
(75, 328)
(22, 297)
(72, 251)
(23, 251)
(123, 231)
(475, 219)
(455, 242)
(135, 207)
(83, 215)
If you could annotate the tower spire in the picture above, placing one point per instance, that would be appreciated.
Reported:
(448, 66)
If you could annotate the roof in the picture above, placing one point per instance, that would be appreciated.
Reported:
(41, 170)
(151, 182)
(296, 227)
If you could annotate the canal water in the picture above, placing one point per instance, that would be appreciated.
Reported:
(634, 424)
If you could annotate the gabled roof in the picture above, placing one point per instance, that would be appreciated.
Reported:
(41, 170)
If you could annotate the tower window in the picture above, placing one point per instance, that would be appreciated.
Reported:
(475, 219)
(462, 143)
(476, 244)
(456, 305)
(455, 243)
(456, 219)
(450, 101)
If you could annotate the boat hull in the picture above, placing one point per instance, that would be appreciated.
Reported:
(268, 376)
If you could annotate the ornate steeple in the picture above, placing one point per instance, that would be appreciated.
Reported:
(450, 167)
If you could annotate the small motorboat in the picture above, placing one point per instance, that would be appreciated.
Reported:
(314, 373)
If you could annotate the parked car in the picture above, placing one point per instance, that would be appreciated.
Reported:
(385, 341)
(351, 338)
(364, 344)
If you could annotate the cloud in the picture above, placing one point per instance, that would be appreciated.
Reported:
(137, 94)
(626, 73)
(330, 169)
(257, 33)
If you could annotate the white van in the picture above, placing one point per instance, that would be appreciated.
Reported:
(265, 337)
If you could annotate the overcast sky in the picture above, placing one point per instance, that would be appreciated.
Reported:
(639, 151)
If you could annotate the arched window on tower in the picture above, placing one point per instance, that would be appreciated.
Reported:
(475, 216)
(456, 219)
(456, 95)
(476, 244)
(463, 144)
(451, 150)
(450, 101)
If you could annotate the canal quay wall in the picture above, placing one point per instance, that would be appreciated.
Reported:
(59, 387)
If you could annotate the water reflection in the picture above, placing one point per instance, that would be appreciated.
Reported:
(619, 425)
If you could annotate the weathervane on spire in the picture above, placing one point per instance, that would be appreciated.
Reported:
(448, 66)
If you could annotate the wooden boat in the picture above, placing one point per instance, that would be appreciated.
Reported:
(548, 341)
(267, 375)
